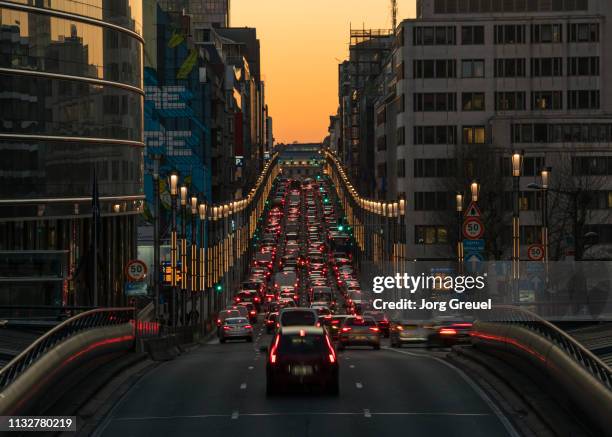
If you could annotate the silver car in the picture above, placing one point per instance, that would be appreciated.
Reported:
(236, 328)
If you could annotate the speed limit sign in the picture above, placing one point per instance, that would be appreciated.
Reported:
(473, 229)
(136, 270)
(535, 252)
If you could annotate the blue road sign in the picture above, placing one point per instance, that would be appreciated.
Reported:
(473, 245)
(473, 262)
(136, 288)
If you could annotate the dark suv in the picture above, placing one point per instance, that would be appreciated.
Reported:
(301, 356)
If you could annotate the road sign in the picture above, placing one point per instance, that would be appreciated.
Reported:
(535, 252)
(473, 245)
(473, 229)
(136, 270)
(472, 210)
(239, 161)
(135, 288)
(473, 262)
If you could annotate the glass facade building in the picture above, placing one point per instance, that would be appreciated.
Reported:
(71, 106)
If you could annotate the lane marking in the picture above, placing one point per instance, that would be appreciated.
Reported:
(479, 391)
(243, 386)
(358, 385)
(367, 414)
(352, 366)
(251, 367)
(235, 415)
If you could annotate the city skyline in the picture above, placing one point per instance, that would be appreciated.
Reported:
(284, 85)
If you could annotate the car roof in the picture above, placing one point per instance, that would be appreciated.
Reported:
(289, 330)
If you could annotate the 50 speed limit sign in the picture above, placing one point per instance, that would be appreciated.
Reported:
(473, 229)
(535, 252)
(136, 270)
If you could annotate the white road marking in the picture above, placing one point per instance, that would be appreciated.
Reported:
(235, 415)
(366, 413)
(358, 385)
(503, 419)
(243, 386)
(352, 366)
(251, 367)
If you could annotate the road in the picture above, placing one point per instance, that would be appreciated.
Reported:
(219, 390)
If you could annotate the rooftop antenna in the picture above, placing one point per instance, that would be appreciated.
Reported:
(394, 14)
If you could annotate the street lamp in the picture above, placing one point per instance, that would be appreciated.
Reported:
(475, 190)
(459, 208)
(202, 259)
(194, 255)
(183, 300)
(545, 175)
(156, 236)
(517, 167)
(173, 247)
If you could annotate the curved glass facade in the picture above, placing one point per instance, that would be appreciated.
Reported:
(39, 42)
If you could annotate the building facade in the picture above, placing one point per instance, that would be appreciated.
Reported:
(71, 99)
(477, 81)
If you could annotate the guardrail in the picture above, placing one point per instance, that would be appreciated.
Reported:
(96, 318)
(538, 344)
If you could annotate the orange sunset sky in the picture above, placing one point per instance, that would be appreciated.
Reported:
(302, 42)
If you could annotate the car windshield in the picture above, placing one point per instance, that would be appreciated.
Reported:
(301, 344)
(296, 318)
(226, 314)
(360, 322)
(236, 321)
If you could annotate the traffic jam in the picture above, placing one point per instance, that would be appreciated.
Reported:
(303, 286)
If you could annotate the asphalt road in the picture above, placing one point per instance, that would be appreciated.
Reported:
(219, 390)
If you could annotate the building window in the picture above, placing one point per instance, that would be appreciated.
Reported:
(546, 33)
(600, 199)
(561, 132)
(583, 99)
(583, 66)
(472, 68)
(432, 201)
(583, 32)
(400, 136)
(532, 166)
(471, 35)
(381, 116)
(442, 102)
(474, 135)
(401, 168)
(434, 69)
(381, 170)
(472, 101)
(485, 6)
(546, 100)
(402, 103)
(509, 34)
(544, 67)
(510, 101)
(434, 135)
(381, 143)
(434, 168)
(512, 67)
(430, 235)
(592, 166)
(401, 71)
(433, 35)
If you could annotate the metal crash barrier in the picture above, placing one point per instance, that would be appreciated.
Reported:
(570, 367)
(70, 349)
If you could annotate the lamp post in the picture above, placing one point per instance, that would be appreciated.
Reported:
(156, 236)
(183, 300)
(517, 167)
(545, 175)
(202, 259)
(459, 208)
(173, 247)
(475, 191)
(193, 286)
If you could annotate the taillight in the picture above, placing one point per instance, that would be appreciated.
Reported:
(273, 350)
(256, 299)
(462, 325)
(448, 331)
(253, 312)
(218, 322)
(248, 327)
(335, 322)
(332, 352)
(400, 328)
(374, 329)
(346, 329)
(226, 328)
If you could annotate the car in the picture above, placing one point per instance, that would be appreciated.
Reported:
(298, 316)
(301, 356)
(333, 324)
(381, 320)
(252, 310)
(271, 322)
(448, 333)
(236, 328)
(225, 314)
(406, 331)
(359, 331)
(244, 312)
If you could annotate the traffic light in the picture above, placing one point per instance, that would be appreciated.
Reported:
(326, 200)
(341, 228)
(218, 288)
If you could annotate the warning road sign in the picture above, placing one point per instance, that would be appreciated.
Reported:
(472, 210)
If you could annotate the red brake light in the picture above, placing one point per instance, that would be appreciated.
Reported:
(346, 329)
(374, 329)
(253, 312)
(226, 328)
(448, 331)
(335, 322)
(332, 352)
(462, 325)
(273, 350)
(248, 327)
(218, 322)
